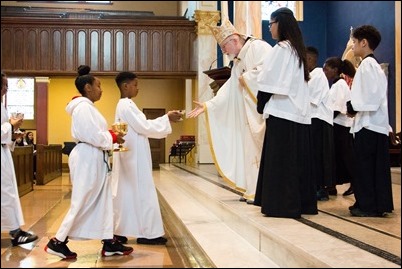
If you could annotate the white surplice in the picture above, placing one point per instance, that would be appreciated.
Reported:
(136, 207)
(320, 98)
(91, 211)
(11, 212)
(235, 129)
(339, 96)
(369, 96)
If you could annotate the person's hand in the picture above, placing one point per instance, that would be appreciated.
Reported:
(197, 110)
(175, 115)
(15, 136)
(16, 122)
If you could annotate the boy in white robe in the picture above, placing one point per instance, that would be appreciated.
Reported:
(369, 106)
(136, 207)
(11, 212)
(322, 139)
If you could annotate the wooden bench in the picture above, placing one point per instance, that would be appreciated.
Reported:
(48, 163)
(24, 168)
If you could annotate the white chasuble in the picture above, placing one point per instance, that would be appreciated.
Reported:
(235, 129)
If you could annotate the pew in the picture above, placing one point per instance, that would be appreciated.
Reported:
(24, 169)
(48, 163)
(181, 148)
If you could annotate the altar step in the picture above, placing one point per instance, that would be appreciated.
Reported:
(233, 234)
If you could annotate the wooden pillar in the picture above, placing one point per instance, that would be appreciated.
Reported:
(42, 86)
(207, 55)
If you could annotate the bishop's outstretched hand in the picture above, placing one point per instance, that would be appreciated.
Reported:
(197, 110)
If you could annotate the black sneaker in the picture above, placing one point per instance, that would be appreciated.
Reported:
(155, 241)
(22, 237)
(114, 247)
(60, 249)
(322, 195)
(357, 212)
(353, 206)
(348, 191)
(120, 239)
(242, 199)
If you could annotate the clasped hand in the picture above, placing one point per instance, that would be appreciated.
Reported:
(175, 115)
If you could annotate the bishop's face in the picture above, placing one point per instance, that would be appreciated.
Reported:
(231, 46)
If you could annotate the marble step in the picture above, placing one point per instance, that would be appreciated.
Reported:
(224, 247)
(234, 234)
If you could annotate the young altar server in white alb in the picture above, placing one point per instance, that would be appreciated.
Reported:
(236, 130)
(136, 207)
(11, 212)
(369, 106)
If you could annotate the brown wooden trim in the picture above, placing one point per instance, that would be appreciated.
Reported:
(160, 47)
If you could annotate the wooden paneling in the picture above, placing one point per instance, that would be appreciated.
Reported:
(152, 47)
(23, 165)
(48, 163)
(157, 146)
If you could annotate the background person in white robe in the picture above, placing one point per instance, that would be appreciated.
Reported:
(136, 207)
(336, 71)
(369, 106)
(285, 185)
(236, 130)
(322, 137)
(11, 213)
(91, 211)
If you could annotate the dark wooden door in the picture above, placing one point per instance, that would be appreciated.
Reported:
(157, 145)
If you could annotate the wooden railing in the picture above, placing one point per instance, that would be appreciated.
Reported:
(48, 163)
(24, 168)
(153, 46)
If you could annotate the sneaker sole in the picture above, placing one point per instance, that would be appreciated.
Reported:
(61, 255)
(152, 243)
(111, 253)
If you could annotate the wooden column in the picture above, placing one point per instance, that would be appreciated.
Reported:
(41, 110)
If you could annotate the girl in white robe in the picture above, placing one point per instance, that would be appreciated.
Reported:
(285, 186)
(345, 161)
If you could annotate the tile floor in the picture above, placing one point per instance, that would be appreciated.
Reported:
(45, 207)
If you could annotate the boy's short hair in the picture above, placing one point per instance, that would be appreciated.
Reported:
(312, 50)
(124, 77)
(370, 33)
